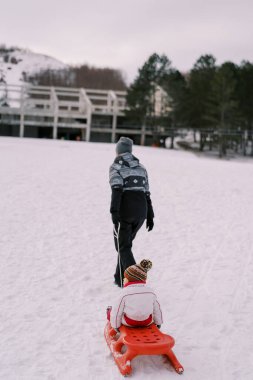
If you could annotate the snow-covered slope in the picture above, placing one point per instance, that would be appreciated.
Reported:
(15, 62)
(57, 261)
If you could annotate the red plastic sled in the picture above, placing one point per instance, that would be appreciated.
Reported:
(139, 341)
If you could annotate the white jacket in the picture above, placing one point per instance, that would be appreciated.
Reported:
(137, 301)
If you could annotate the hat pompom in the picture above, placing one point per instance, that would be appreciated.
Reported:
(146, 264)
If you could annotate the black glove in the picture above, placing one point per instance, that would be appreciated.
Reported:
(115, 220)
(150, 224)
(150, 213)
(115, 206)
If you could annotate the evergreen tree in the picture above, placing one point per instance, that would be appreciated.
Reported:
(245, 95)
(222, 111)
(198, 93)
(174, 83)
(141, 93)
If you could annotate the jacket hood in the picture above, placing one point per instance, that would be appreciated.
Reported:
(127, 159)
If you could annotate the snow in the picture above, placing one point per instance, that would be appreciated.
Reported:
(11, 74)
(57, 262)
(27, 62)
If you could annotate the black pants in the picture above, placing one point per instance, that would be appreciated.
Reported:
(127, 232)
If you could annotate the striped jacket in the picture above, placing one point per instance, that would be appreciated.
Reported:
(130, 188)
(136, 303)
(128, 174)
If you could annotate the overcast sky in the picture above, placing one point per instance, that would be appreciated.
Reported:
(124, 33)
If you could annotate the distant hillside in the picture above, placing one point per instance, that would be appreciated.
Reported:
(18, 66)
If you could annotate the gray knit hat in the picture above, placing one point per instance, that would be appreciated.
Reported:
(124, 145)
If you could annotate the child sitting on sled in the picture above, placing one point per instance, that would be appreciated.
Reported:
(137, 305)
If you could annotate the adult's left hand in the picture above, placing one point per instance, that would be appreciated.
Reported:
(150, 224)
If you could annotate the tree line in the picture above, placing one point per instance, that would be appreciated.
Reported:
(214, 100)
(82, 76)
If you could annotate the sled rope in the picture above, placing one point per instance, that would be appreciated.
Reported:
(116, 234)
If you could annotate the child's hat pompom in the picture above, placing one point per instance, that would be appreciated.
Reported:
(146, 264)
(138, 272)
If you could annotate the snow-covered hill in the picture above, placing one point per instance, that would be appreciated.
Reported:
(57, 261)
(15, 62)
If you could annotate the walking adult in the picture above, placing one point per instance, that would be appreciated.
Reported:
(130, 203)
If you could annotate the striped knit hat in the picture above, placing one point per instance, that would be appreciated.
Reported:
(138, 272)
